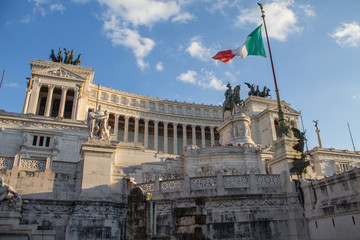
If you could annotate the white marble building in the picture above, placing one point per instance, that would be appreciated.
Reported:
(178, 153)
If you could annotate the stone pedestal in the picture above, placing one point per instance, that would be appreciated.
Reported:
(235, 130)
(98, 158)
(284, 155)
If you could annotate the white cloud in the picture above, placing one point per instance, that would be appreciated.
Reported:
(189, 76)
(348, 35)
(57, 7)
(120, 34)
(219, 5)
(308, 10)
(197, 50)
(159, 67)
(183, 17)
(281, 21)
(206, 80)
(143, 12)
(26, 19)
(11, 85)
(135, 13)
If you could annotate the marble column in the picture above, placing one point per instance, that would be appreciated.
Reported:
(156, 135)
(184, 135)
(116, 126)
(136, 133)
(34, 98)
(26, 103)
(203, 136)
(212, 136)
(62, 101)
(175, 138)
(193, 134)
(166, 137)
(49, 100)
(146, 133)
(74, 107)
(126, 130)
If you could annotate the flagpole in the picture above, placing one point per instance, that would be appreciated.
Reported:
(351, 137)
(2, 78)
(283, 128)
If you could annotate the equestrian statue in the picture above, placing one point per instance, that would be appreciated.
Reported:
(232, 100)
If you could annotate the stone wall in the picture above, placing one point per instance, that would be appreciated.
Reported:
(219, 207)
(332, 206)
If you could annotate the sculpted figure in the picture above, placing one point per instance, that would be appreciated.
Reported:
(252, 89)
(299, 147)
(265, 93)
(67, 53)
(257, 91)
(98, 124)
(5, 190)
(52, 56)
(232, 99)
(59, 56)
(77, 61)
(228, 93)
(71, 57)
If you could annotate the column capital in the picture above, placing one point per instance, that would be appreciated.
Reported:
(146, 120)
(64, 88)
(126, 117)
(184, 124)
(156, 121)
(175, 124)
(51, 86)
(116, 115)
(202, 127)
(165, 123)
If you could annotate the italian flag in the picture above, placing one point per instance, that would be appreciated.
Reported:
(253, 46)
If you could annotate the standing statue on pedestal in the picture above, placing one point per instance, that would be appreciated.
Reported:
(232, 99)
(98, 125)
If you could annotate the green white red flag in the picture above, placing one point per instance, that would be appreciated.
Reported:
(253, 46)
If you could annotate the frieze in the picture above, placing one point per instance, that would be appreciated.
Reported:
(264, 202)
(84, 72)
(42, 125)
(43, 208)
(99, 154)
(99, 209)
(64, 167)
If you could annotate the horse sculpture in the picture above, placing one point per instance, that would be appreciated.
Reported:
(232, 100)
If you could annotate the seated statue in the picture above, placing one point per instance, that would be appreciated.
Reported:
(5, 190)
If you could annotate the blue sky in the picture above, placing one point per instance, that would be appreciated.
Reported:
(164, 48)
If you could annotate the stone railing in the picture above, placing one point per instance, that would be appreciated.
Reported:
(251, 183)
(32, 165)
(36, 165)
(6, 162)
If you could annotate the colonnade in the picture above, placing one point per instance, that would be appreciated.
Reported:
(51, 101)
(168, 137)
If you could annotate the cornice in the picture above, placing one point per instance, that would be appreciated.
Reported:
(28, 120)
(147, 98)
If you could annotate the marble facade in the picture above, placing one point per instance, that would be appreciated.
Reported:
(171, 170)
